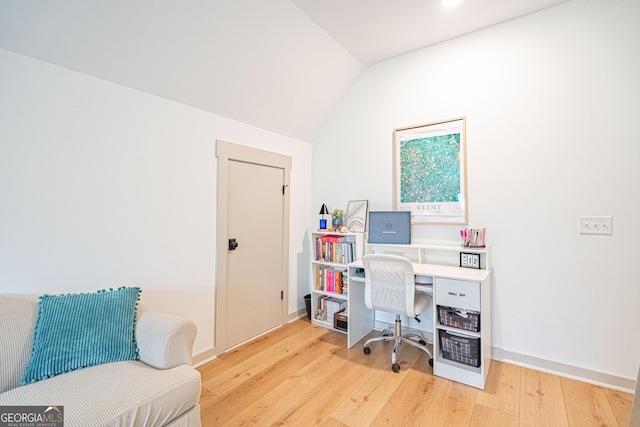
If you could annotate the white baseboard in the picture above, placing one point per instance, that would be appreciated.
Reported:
(302, 312)
(626, 385)
(210, 354)
(204, 357)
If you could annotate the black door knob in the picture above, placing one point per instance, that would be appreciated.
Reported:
(233, 244)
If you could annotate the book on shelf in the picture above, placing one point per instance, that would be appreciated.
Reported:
(329, 279)
(335, 305)
(330, 282)
(339, 249)
(321, 308)
(328, 306)
(318, 277)
(332, 306)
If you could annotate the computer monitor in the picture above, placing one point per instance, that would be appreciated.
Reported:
(390, 227)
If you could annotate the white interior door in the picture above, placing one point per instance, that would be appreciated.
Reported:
(255, 218)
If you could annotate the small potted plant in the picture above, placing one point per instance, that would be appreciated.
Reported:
(337, 216)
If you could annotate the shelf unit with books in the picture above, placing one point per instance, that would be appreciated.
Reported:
(331, 252)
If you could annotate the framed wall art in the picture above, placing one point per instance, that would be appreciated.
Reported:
(430, 172)
(357, 216)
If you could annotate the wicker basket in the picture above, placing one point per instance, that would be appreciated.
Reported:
(462, 349)
(461, 319)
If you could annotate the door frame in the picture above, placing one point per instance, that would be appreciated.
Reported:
(227, 151)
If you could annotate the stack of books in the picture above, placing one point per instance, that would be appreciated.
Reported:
(329, 279)
(336, 248)
(328, 306)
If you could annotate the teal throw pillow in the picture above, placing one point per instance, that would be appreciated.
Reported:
(78, 330)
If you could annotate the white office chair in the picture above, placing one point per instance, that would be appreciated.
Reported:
(390, 286)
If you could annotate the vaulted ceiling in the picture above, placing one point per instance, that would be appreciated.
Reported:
(281, 65)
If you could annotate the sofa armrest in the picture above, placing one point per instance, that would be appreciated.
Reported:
(165, 341)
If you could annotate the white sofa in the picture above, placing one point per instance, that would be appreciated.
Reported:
(161, 389)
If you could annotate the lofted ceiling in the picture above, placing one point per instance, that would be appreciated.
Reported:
(281, 65)
(376, 30)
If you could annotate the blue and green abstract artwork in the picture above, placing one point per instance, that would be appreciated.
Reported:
(430, 169)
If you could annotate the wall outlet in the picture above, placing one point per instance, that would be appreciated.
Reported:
(596, 225)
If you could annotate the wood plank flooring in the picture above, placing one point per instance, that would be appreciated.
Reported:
(302, 375)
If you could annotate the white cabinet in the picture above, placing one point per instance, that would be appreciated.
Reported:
(462, 330)
(330, 282)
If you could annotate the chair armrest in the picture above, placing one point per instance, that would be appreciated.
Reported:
(164, 341)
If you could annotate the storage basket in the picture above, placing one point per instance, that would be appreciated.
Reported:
(341, 321)
(462, 349)
(457, 318)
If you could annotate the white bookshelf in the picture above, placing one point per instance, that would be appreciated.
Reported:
(324, 265)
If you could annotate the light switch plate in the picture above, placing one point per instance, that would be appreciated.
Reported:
(596, 225)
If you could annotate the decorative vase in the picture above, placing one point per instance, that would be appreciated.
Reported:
(336, 222)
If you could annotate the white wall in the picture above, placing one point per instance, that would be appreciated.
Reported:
(103, 186)
(551, 102)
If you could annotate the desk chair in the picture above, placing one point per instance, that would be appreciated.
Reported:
(390, 286)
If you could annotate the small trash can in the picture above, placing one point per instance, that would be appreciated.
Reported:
(307, 303)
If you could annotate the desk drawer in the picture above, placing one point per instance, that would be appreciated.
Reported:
(458, 293)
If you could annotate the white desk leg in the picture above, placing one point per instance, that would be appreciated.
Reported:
(361, 319)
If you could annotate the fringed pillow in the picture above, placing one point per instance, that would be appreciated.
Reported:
(78, 330)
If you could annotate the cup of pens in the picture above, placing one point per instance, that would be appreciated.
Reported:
(473, 237)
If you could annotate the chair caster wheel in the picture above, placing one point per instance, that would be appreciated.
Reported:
(431, 362)
(395, 367)
(366, 350)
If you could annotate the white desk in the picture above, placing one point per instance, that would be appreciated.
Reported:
(452, 287)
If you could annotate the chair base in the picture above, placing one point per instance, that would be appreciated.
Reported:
(398, 338)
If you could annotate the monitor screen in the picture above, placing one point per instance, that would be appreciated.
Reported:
(390, 227)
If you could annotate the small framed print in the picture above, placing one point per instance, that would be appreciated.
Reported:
(469, 260)
(357, 216)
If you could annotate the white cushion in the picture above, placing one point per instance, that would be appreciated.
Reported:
(17, 320)
(127, 393)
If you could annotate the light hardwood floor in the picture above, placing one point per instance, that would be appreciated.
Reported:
(301, 375)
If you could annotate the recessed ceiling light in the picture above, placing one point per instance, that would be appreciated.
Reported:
(450, 3)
